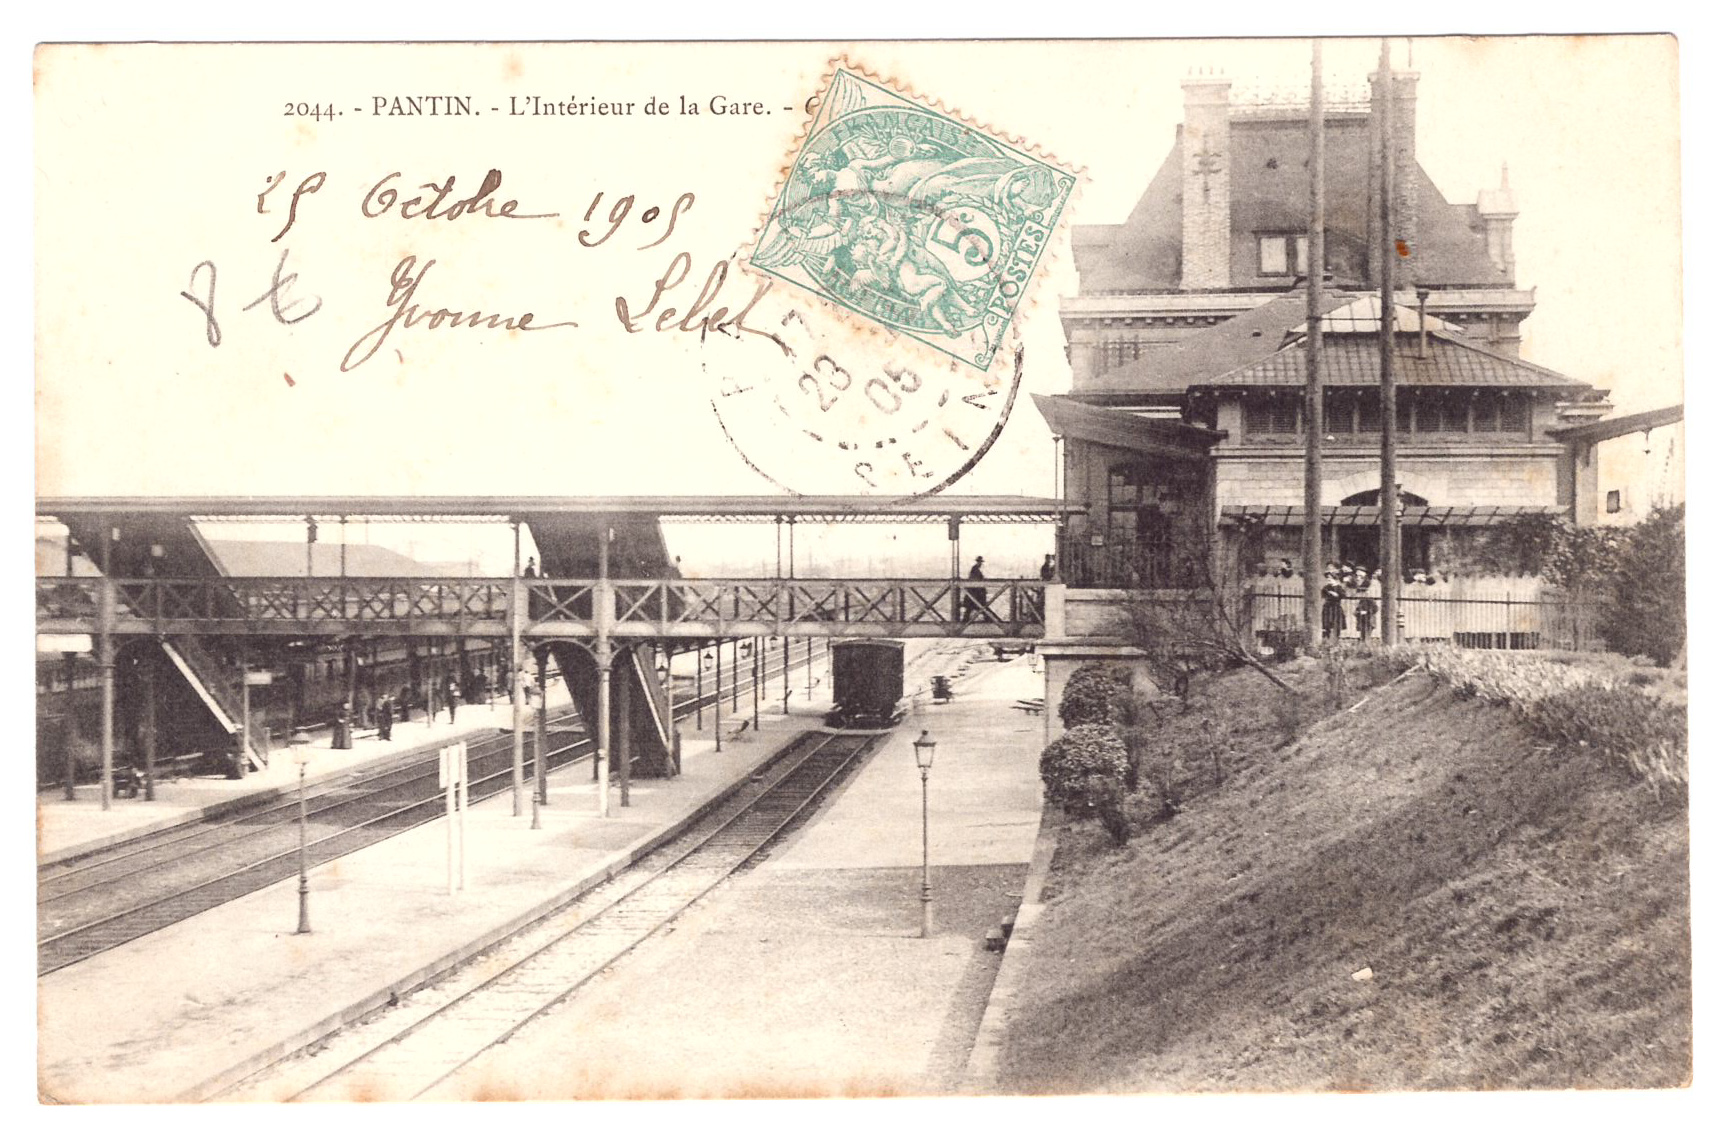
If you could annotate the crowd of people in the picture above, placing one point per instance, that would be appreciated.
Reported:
(381, 711)
(1347, 587)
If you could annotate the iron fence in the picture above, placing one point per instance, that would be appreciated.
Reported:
(1534, 620)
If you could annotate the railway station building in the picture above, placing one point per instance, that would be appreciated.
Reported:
(1187, 346)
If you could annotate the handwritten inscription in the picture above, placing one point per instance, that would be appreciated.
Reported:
(702, 316)
(429, 202)
(381, 199)
(407, 277)
(286, 309)
(391, 197)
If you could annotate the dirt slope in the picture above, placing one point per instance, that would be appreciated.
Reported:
(1521, 913)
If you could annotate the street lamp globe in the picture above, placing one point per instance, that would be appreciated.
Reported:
(925, 746)
(300, 745)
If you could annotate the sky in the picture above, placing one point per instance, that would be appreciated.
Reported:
(132, 398)
(1587, 128)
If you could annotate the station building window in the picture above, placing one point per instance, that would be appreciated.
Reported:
(1277, 415)
(1282, 254)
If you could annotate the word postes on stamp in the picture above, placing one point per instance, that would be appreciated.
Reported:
(913, 219)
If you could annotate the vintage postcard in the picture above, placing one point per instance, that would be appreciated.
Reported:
(755, 570)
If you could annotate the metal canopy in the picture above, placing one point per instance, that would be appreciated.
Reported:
(1369, 515)
(1619, 426)
(468, 509)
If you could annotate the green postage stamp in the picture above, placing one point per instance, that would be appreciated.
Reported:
(913, 219)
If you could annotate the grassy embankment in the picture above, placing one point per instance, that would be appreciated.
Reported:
(1430, 890)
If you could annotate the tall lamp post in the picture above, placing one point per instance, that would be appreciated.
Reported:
(300, 743)
(925, 746)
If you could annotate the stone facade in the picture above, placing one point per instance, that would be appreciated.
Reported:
(1529, 478)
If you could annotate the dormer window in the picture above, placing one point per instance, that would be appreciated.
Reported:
(1282, 254)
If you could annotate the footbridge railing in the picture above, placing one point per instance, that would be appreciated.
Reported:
(549, 608)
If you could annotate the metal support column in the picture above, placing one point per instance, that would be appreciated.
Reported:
(604, 720)
(756, 671)
(786, 676)
(70, 701)
(672, 721)
(623, 727)
(604, 664)
(541, 792)
(245, 747)
(539, 798)
(104, 658)
(516, 665)
(717, 695)
(71, 726)
(150, 663)
(699, 687)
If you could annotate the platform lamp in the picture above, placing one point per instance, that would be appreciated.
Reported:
(925, 746)
(300, 744)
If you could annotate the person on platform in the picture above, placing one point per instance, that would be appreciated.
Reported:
(1365, 610)
(1285, 571)
(450, 694)
(530, 568)
(1333, 612)
(384, 717)
(1048, 568)
(976, 598)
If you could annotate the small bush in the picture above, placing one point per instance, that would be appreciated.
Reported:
(1639, 731)
(1084, 772)
(1646, 611)
(1090, 694)
(1569, 704)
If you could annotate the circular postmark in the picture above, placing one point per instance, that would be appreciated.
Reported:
(819, 405)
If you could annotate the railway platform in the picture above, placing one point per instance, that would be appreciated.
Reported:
(212, 999)
(67, 828)
(807, 977)
(215, 997)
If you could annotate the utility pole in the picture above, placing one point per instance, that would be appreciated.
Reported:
(1312, 549)
(1386, 498)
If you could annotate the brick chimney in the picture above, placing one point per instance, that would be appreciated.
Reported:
(1205, 185)
(1497, 210)
(1405, 188)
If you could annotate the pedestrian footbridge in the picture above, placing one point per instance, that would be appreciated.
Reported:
(545, 609)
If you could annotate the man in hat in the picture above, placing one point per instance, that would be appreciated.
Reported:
(976, 598)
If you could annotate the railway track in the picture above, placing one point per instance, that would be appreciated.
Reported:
(407, 1050)
(96, 902)
(99, 903)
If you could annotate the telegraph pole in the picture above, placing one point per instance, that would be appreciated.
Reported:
(1312, 550)
(1386, 499)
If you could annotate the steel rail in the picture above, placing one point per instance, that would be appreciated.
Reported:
(47, 964)
(360, 779)
(733, 841)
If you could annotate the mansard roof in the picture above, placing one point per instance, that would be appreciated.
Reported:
(1270, 193)
(1243, 339)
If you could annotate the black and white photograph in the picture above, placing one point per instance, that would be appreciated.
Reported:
(855, 570)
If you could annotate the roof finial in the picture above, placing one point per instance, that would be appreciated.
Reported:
(1504, 184)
